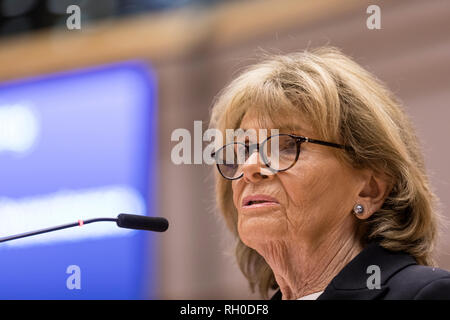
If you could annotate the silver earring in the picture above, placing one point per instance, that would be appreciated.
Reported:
(358, 209)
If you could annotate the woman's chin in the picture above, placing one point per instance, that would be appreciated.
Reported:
(261, 228)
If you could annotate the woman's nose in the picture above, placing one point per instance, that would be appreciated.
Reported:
(254, 170)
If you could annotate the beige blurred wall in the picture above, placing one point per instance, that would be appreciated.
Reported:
(196, 53)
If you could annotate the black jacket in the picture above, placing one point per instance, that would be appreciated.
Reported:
(401, 278)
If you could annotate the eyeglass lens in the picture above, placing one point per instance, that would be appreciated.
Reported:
(277, 152)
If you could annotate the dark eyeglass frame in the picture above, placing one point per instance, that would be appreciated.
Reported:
(299, 141)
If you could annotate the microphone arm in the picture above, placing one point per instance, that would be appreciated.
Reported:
(123, 220)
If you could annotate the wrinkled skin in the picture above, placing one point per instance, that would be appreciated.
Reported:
(311, 233)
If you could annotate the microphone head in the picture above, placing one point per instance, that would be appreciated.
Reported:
(133, 221)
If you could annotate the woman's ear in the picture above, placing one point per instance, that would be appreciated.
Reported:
(374, 190)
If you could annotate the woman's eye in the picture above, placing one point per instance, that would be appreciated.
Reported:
(289, 147)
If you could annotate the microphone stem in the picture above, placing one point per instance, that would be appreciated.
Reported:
(64, 226)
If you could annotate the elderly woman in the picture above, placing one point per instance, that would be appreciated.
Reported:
(340, 207)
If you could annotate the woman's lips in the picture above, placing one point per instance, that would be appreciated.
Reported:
(258, 201)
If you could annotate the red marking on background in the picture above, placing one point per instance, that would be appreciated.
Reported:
(80, 222)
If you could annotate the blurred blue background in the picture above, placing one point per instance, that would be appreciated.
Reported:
(78, 145)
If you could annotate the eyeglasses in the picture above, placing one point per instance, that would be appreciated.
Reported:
(279, 155)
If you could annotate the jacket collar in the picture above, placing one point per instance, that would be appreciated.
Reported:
(351, 281)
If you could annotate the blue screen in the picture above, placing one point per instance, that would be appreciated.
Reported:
(78, 145)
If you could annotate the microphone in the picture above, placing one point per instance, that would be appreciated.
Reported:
(133, 221)
(129, 221)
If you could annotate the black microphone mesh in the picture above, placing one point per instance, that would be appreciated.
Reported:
(132, 221)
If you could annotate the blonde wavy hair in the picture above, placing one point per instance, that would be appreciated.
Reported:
(345, 104)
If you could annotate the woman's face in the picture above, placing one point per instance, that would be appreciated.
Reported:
(312, 200)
